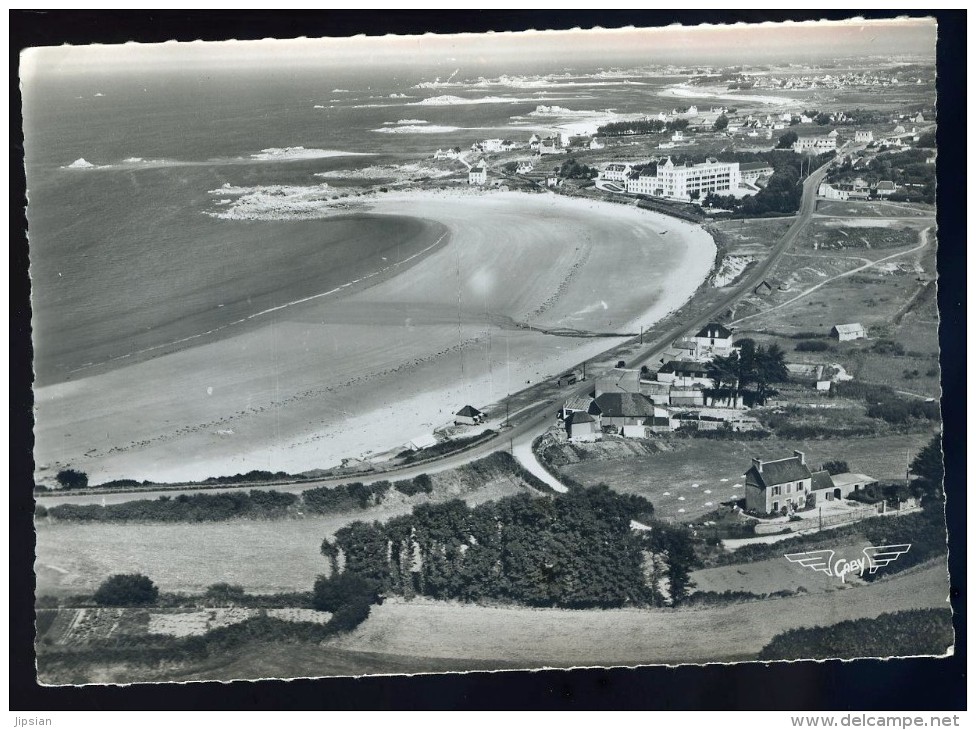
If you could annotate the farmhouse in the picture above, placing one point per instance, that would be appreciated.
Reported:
(845, 332)
(468, 416)
(622, 409)
(863, 135)
(478, 175)
(775, 486)
(524, 167)
(712, 339)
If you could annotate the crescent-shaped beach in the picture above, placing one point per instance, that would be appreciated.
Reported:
(363, 369)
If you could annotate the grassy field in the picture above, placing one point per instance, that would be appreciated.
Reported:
(777, 574)
(878, 208)
(748, 237)
(263, 556)
(668, 479)
(408, 637)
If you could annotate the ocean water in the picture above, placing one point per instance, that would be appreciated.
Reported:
(125, 259)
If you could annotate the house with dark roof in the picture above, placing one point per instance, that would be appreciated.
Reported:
(712, 339)
(685, 374)
(885, 188)
(468, 416)
(751, 172)
(781, 484)
(622, 409)
(581, 426)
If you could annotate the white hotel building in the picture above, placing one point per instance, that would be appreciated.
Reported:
(682, 182)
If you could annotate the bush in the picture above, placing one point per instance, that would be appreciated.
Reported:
(921, 631)
(835, 467)
(813, 346)
(421, 484)
(40, 511)
(72, 479)
(334, 592)
(126, 590)
(888, 347)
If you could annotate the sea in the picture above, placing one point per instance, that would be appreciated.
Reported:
(125, 171)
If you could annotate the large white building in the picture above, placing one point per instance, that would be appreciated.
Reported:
(616, 171)
(815, 143)
(685, 182)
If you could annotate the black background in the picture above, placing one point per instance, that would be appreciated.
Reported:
(914, 684)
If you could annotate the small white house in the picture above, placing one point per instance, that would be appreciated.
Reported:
(524, 167)
(478, 174)
(846, 332)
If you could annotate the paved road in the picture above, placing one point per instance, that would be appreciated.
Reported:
(533, 421)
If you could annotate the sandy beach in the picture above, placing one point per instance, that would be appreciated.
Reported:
(684, 91)
(353, 374)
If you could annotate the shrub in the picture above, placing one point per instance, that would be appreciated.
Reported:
(126, 590)
(835, 467)
(921, 631)
(334, 592)
(40, 511)
(887, 347)
(813, 346)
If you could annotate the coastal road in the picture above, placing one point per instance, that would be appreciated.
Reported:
(528, 423)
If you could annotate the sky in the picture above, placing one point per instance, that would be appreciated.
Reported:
(740, 43)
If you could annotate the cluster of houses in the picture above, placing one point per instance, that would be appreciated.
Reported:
(681, 394)
(857, 189)
(636, 403)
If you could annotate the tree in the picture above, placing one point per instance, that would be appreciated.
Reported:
(786, 140)
(338, 590)
(72, 479)
(929, 467)
(835, 467)
(720, 123)
(126, 590)
(770, 368)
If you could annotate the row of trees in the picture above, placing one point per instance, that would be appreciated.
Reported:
(573, 169)
(575, 550)
(641, 126)
(752, 365)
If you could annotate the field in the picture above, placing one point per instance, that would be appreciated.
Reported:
(262, 556)
(688, 473)
(408, 637)
(777, 574)
(878, 208)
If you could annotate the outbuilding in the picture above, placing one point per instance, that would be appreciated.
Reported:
(468, 416)
(845, 332)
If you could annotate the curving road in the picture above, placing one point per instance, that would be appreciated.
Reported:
(528, 423)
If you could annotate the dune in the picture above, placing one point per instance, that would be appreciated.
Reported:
(364, 370)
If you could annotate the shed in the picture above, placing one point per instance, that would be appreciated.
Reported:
(424, 441)
(468, 416)
(582, 426)
(845, 332)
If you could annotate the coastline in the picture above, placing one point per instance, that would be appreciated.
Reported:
(312, 386)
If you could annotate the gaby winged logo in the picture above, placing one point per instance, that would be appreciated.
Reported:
(823, 561)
